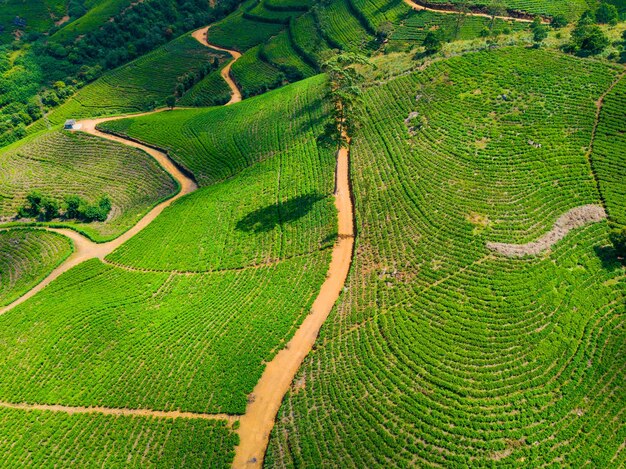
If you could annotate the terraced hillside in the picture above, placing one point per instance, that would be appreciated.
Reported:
(26, 257)
(186, 336)
(141, 85)
(60, 164)
(441, 351)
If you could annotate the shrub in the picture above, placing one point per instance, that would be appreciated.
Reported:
(607, 14)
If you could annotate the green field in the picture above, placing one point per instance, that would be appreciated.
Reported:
(60, 163)
(440, 351)
(26, 257)
(141, 85)
(39, 15)
(187, 323)
(212, 90)
(45, 439)
(256, 130)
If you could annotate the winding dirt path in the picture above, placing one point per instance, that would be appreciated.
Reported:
(173, 414)
(523, 18)
(201, 36)
(258, 421)
(84, 248)
(570, 220)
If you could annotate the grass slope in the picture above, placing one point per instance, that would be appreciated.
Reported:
(26, 257)
(98, 13)
(570, 8)
(440, 351)
(39, 16)
(60, 163)
(278, 208)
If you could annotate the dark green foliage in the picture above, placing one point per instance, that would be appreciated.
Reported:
(587, 38)
(170, 101)
(618, 238)
(432, 42)
(607, 14)
(46, 208)
(559, 21)
(539, 30)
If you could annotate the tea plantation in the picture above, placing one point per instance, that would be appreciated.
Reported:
(26, 257)
(60, 164)
(440, 351)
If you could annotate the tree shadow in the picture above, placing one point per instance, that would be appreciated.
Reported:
(269, 217)
(608, 257)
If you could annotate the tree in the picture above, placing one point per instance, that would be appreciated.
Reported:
(618, 238)
(495, 8)
(587, 38)
(384, 31)
(432, 42)
(540, 32)
(73, 206)
(345, 92)
(559, 21)
(170, 101)
(607, 14)
(462, 11)
(50, 209)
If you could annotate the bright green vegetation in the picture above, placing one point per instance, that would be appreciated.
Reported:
(141, 85)
(143, 334)
(249, 132)
(570, 8)
(44, 439)
(212, 90)
(26, 257)
(440, 351)
(341, 28)
(60, 163)
(98, 13)
(418, 23)
(239, 33)
(254, 75)
(154, 340)
(280, 53)
(281, 207)
(609, 153)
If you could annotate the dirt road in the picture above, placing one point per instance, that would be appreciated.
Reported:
(415, 5)
(258, 421)
(201, 36)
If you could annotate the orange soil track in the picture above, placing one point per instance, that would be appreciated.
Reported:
(258, 421)
(201, 36)
(174, 414)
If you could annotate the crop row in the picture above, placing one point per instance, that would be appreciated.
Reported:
(158, 341)
(26, 257)
(609, 153)
(440, 352)
(250, 132)
(60, 163)
(43, 439)
(571, 8)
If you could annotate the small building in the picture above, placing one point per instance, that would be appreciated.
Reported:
(71, 124)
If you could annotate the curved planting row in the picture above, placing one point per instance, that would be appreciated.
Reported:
(442, 352)
(26, 257)
(60, 164)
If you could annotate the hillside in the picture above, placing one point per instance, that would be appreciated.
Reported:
(313, 233)
(464, 355)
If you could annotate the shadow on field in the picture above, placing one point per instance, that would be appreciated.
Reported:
(608, 257)
(267, 218)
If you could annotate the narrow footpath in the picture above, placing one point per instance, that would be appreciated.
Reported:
(256, 424)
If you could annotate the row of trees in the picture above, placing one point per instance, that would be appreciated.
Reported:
(43, 208)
